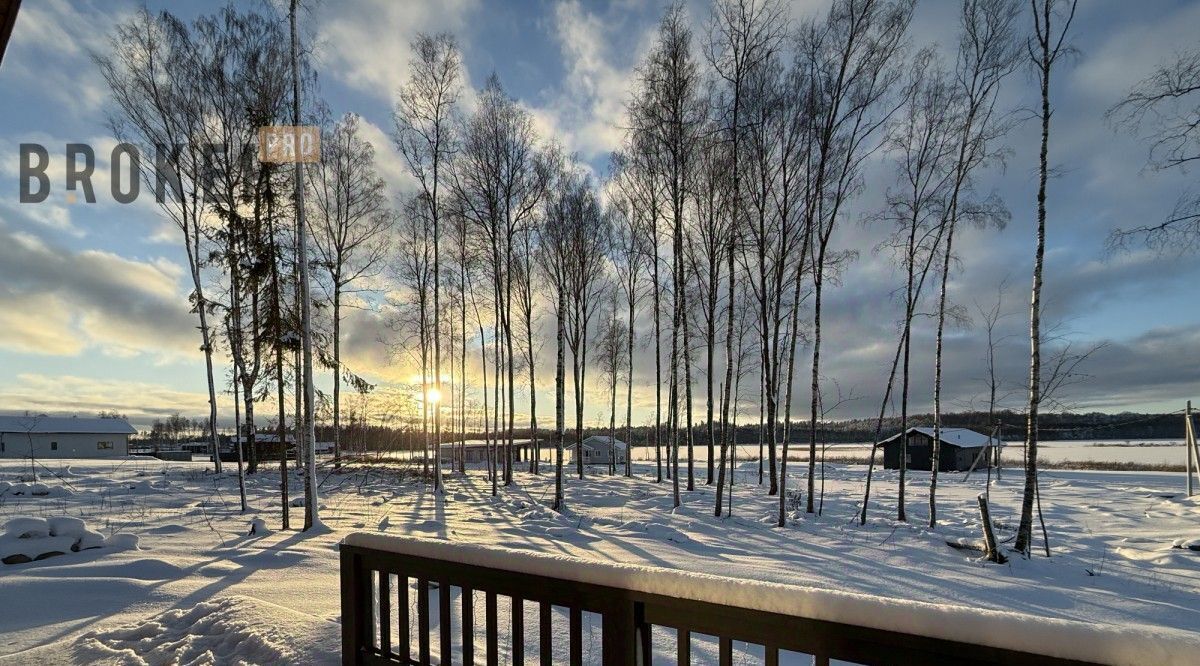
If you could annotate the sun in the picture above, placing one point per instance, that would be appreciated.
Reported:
(433, 395)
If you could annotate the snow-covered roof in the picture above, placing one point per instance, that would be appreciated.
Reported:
(483, 443)
(603, 441)
(964, 437)
(65, 425)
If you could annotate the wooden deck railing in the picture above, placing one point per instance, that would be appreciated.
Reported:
(381, 582)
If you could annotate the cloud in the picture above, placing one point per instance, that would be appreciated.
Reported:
(88, 298)
(585, 111)
(1131, 49)
(142, 402)
(50, 52)
(389, 164)
(368, 49)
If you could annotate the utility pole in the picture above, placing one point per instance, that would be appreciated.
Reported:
(308, 433)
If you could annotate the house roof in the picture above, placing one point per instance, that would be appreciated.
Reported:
(65, 425)
(481, 443)
(964, 437)
(603, 440)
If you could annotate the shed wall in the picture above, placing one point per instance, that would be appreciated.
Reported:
(69, 445)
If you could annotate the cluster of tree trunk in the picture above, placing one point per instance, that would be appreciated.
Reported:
(712, 239)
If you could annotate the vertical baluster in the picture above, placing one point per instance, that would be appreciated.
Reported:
(645, 629)
(518, 630)
(544, 647)
(683, 644)
(423, 620)
(385, 613)
(576, 636)
(619, 632)
(402, 621)
(771, 655)
(493, 659)
(355, 602)
(444, 620)
(726, 651)
(468, 626)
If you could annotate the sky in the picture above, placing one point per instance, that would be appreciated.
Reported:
(93, 311)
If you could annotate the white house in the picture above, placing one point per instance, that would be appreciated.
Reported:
(602, 450)
(63, 437)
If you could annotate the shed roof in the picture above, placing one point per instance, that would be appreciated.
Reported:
(603, 441)
(65, 425)
(964, 437)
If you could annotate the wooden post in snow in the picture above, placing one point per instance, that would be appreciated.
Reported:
(999, 450)
(989, 537)
(1189, 441)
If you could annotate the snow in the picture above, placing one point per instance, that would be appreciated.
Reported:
(227, 630)
(28, 538)
(25, 527)
(1122, 561)
(259, 527)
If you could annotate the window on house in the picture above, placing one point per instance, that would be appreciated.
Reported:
(100, 446)
(53, 446)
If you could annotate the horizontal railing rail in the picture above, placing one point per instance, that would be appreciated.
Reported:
(395, 590)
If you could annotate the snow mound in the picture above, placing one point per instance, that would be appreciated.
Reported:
(1189, 544)
(145, 486)
(226, 630)
(26, 539)
(26, 527)
(32, 489)
(258, 527)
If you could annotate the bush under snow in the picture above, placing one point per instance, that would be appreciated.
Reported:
(26, 539)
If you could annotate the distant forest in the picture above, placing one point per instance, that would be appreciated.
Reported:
(1063, 426)
(1054, 427)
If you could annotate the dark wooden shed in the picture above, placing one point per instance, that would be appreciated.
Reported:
(960, 448)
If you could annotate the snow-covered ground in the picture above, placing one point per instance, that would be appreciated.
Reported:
(1085, 452)
(200, 588)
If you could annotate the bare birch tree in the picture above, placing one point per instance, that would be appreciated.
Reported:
(1051, 21)
(424, 134)
(350, 225)
(988, 52)
(851, 60)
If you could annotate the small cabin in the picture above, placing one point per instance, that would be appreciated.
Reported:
(961, 448)
(602, 450)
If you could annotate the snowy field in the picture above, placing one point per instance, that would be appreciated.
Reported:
(1083, 452)
(198, 587)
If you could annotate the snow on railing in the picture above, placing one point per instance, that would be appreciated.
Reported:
(1049, 637)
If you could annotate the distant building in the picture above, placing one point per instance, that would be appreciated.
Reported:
(63, 437)
(477, 451)
(266, 445)
(960, 448)
(602, 450)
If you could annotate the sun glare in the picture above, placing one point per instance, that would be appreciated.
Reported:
(433, 395)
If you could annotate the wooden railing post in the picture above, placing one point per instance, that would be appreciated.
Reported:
(354, 603)
(619, 629)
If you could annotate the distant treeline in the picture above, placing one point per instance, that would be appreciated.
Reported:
(1062, 426)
